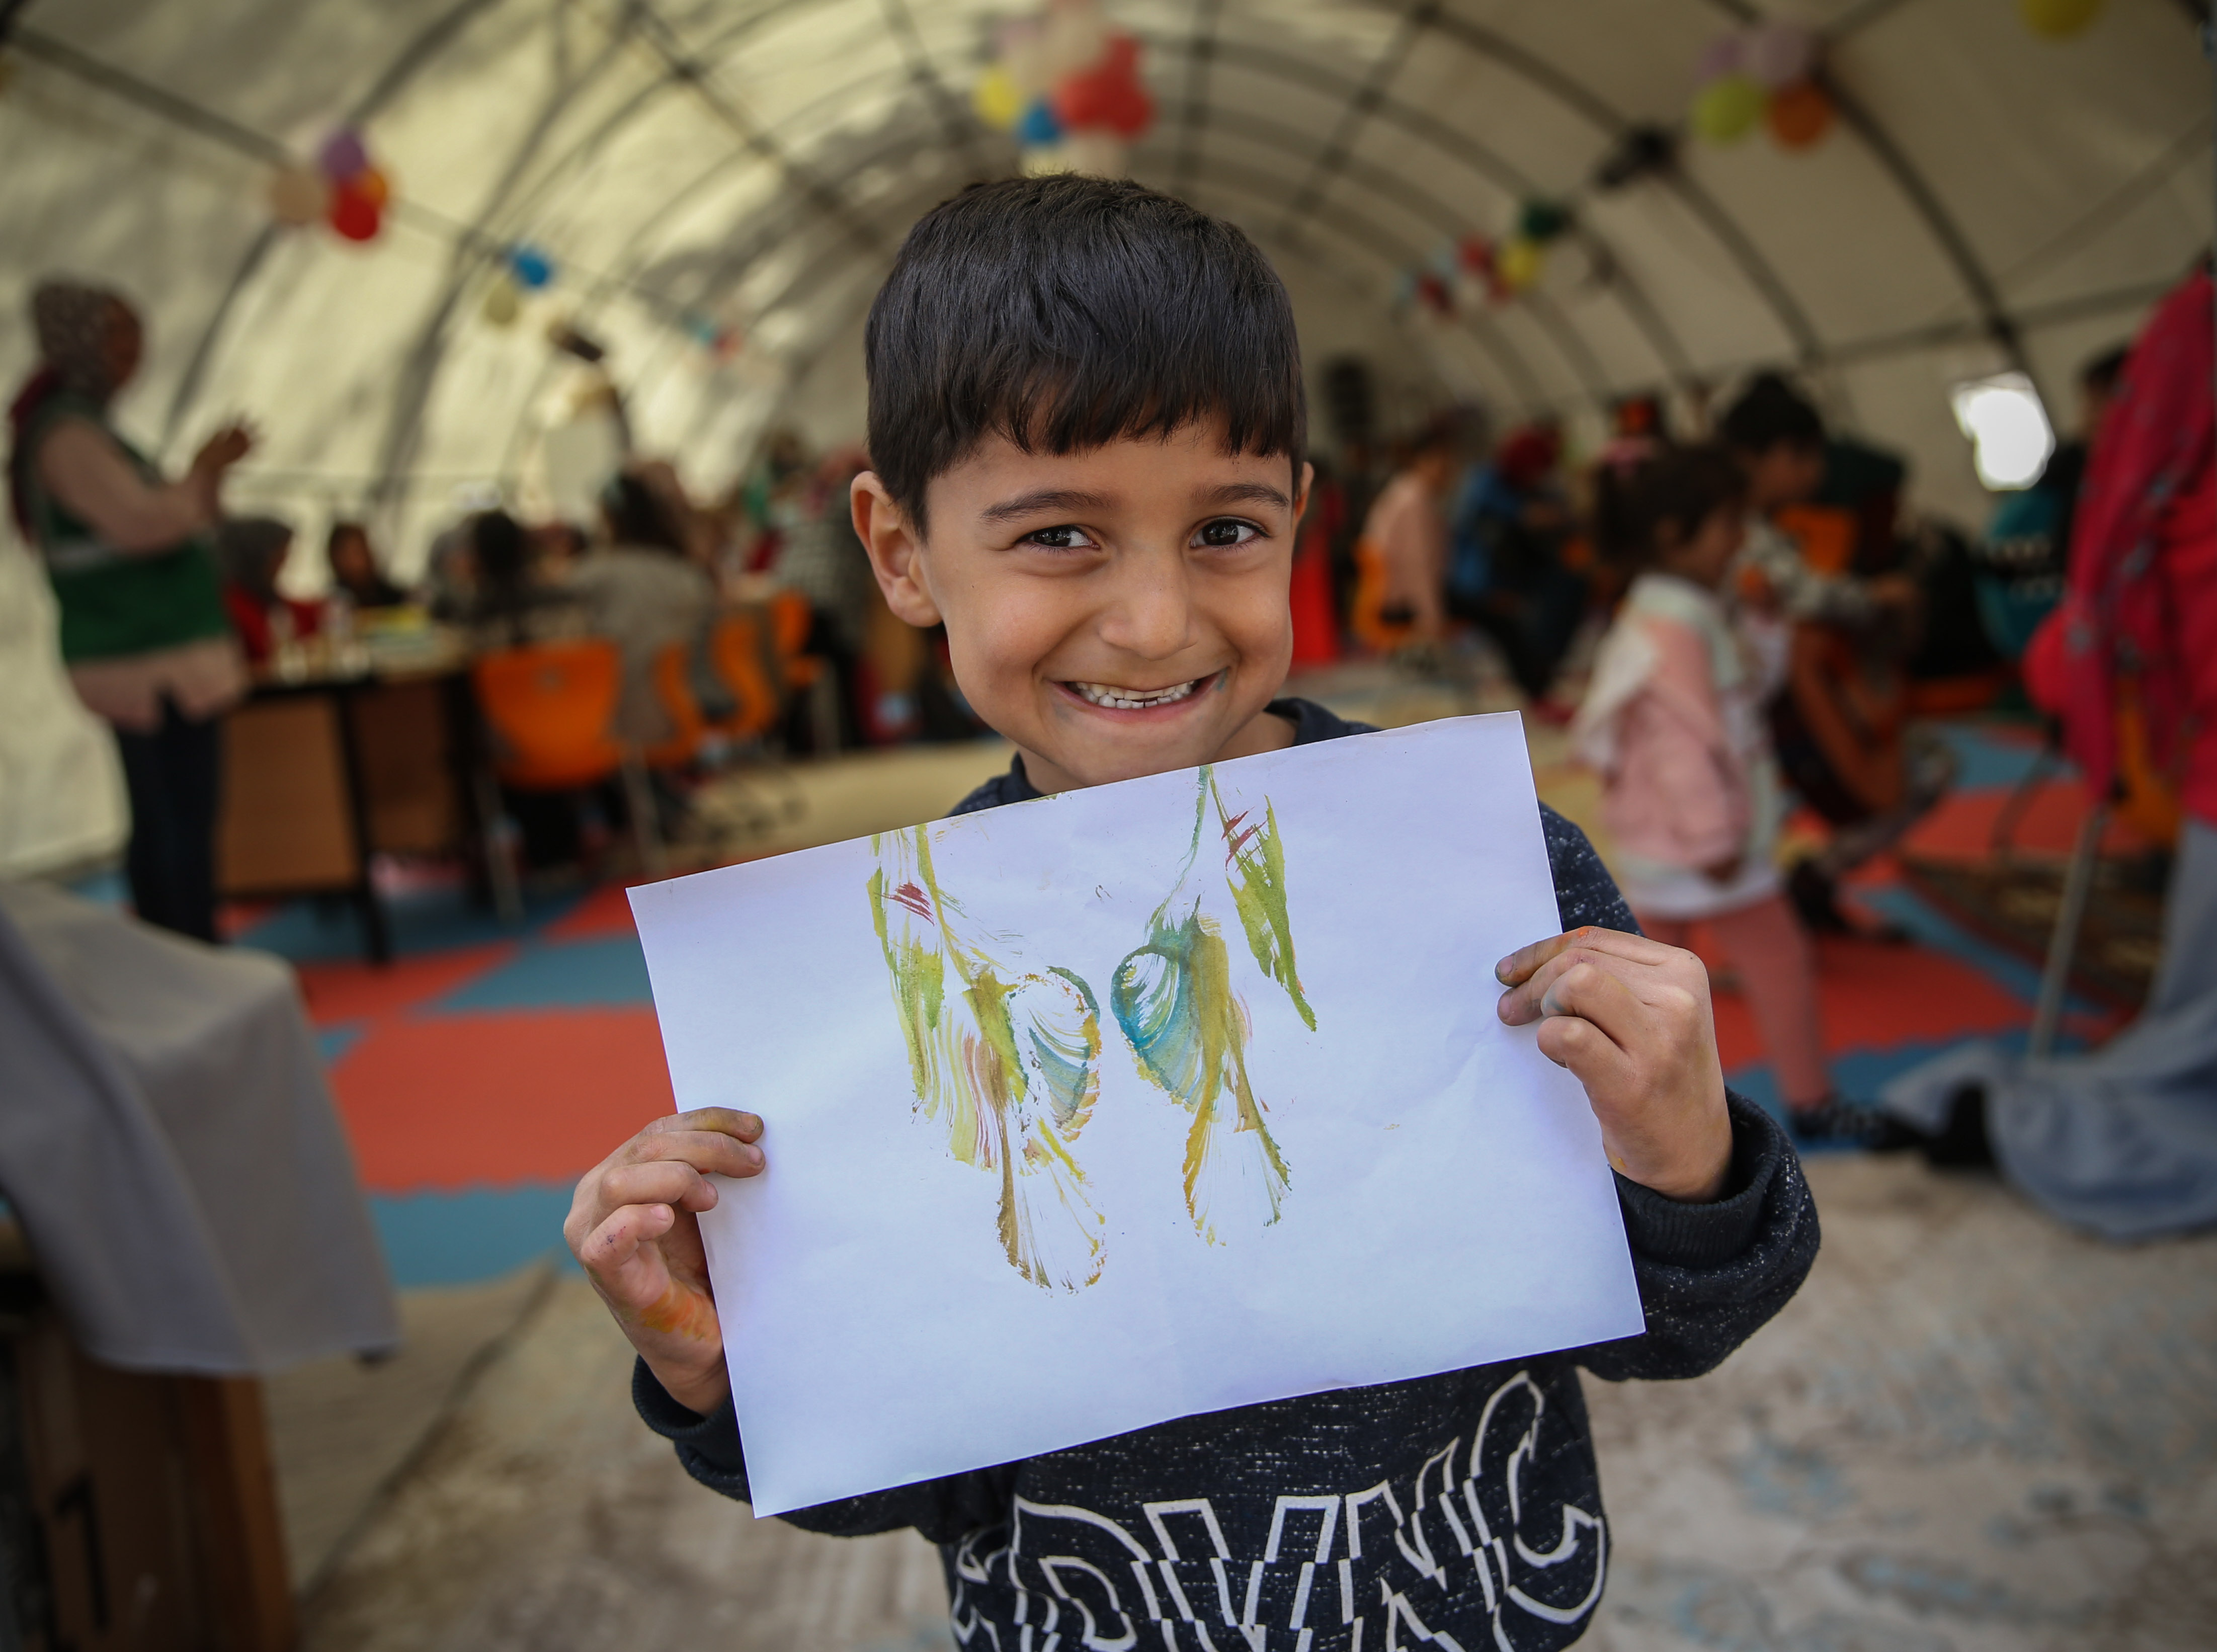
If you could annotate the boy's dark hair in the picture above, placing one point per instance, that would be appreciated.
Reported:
(1065, 312)
(1770, 411)
(1680, 488)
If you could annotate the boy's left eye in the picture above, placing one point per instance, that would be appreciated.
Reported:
(1227, 531)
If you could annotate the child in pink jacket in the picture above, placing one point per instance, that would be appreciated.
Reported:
(1673, 720)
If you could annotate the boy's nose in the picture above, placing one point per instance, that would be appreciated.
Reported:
(1150, 614)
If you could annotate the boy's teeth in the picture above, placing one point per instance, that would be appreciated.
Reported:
(1129, 700)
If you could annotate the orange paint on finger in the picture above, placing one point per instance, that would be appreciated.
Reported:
(681, 1311)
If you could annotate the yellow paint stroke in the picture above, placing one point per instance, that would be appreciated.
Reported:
(1173, 997)
(1012, 1064)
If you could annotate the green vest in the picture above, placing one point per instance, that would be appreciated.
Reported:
(114, 603)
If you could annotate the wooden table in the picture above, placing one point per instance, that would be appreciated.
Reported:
(324, 770)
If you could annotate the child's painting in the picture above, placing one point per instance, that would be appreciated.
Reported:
(1135, 1102)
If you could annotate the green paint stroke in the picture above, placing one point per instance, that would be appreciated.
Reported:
(1254, 866)
(1014, 1064)
(1172, 995)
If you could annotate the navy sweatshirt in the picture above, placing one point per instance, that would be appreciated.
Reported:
(1459, 1511)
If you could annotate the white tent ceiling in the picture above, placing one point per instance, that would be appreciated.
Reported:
(1989, 198)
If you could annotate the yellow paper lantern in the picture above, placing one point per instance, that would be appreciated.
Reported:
(299, 196)
(1729, 108)
(998, 101)
(503, 302)
(1519, 263)
(2057, 20)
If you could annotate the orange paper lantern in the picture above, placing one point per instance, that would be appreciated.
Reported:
(1798, 114)
(372, 185)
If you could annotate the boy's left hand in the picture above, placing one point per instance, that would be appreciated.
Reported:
(1631, 1018)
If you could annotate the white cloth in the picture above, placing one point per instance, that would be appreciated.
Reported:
(167, 1140)
(61, 786)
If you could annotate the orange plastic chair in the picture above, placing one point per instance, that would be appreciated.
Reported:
(790, 617)
(552, 707)
(673, 687)
(740, 661)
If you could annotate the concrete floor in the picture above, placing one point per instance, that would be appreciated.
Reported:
(1972, 1432)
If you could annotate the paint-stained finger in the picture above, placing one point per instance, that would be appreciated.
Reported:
(1518, 967)
(662, 1181)
(727, 1121)
(712, 1151)
(1596, 995)
(616, 1240)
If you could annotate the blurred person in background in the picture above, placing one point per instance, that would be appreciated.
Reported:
(143, 629)
(1840, 724)
(1507, 574)
(252, 552)
(507, 601)
(354, 572)
(641, 589)
(1401, 556)
(2025, 555)
(1673, 720)
(823, 560)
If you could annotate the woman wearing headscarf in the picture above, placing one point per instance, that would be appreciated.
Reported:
(143, 632)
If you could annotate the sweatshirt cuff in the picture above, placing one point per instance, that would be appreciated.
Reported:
(712, 1440)
(1703, 1236)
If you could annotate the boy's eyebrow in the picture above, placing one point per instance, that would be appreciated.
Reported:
(1028, 504)
(1253, 493)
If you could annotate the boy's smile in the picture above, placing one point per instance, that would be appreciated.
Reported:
(1116, 611)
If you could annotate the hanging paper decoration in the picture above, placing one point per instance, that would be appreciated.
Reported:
(356, 191)
(1727, 109)
(2058, 19)
(1475, 254)
(1768, 75)
(998, 100)
(344, 155)
(353, 215)
(1067, 87)
(1542, 221)
(1519, 263)
(299, 196)
(1039, 129)
(503, 302)
(1779, 53)
(1433, 294)
(533, 269)
(1107, 96)
(727, 343)
(1798, 114)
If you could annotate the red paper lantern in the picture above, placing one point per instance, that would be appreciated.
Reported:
(1475, 255)
(1432, 292)
(1800, 114)
(355, 215)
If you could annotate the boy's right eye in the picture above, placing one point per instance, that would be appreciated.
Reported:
(1065, 537)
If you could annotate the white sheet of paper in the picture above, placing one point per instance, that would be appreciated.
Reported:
(1442, 1197)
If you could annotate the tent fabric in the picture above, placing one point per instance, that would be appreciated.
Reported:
(172, 1150)
(62, 801)
(1988, 199)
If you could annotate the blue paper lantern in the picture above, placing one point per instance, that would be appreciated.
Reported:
(1039, 129)
(531, 269)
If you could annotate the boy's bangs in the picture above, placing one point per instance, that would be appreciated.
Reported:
(1064, 313)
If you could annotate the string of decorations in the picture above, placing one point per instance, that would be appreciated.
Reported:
(347, 192)
(1068, 87)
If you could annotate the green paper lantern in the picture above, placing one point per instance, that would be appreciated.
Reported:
(1542, 221)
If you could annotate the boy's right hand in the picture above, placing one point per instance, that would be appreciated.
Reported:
(635, 1227)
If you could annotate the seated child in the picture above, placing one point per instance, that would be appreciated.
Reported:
(1673, 719)
(1087, 423)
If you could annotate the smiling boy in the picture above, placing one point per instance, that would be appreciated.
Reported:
(1087, 420)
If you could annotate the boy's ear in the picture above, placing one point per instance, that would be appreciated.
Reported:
(1307, 479)
(895, 550)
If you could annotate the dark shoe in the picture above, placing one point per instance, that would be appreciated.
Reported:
(1964, 1143)
(1835, 1123)
(1815, 898)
